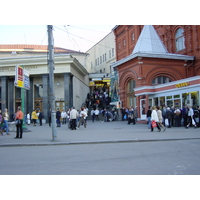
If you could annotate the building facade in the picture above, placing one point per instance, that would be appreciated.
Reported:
(70, 78)
(158, 65)
(98, 63)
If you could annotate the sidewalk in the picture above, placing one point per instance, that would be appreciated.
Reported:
(97, 132)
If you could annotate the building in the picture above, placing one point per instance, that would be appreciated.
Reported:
(99, 60)
(158, 65)
(70, 77)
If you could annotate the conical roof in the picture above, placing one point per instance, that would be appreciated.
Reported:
(149, 42)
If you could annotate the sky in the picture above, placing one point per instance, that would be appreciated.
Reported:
(74, 37)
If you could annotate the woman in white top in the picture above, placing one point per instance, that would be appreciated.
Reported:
(154, 117)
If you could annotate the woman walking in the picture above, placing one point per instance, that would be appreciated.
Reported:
(160, 118)
(154, 118)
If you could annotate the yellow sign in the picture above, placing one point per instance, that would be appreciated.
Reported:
(182, 85)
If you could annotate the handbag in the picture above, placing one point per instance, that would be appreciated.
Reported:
(153, 123)
(193, 122)
(18, 121)
(166, 122)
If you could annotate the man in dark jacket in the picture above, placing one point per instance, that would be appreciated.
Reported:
(40, 116)
(169, 116)
(58, 115)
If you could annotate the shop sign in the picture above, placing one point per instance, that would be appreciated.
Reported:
(106, 79)
(182, 85)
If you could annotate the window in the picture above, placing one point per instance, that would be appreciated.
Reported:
(105, 56)
(131, 86)
(109, 53)
(124, 43)
(179, 39)
(112, 52)
(133, 37)
(161, 80)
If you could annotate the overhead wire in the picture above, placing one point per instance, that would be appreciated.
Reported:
(82, 37)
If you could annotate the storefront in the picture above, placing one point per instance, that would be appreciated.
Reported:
(174, 94)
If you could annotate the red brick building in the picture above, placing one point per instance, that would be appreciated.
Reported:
(158, 65)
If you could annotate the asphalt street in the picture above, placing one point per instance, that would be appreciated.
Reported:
(103, 148)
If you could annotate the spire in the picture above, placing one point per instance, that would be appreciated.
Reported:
(149, 42)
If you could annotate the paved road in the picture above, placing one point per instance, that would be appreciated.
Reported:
(103, 148)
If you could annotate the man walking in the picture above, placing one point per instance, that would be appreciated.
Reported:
(73, 117)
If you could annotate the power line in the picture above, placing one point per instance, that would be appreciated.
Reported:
(82, 38)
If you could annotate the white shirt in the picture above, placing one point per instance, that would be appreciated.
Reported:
(96, 112)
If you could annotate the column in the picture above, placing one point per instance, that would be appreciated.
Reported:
(29, 97)
(11, 98)
(45, 105)
(4, 93)
(67, 91)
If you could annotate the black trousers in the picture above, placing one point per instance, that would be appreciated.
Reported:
(73, 124)
(19, 131)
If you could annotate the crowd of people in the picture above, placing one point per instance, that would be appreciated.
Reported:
(172, 117)
(160, 118)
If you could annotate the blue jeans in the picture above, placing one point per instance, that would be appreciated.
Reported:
(149, 122)
(6, 126)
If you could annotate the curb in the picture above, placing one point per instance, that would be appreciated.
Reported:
(95, 142)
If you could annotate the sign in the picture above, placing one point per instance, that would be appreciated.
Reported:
(22, 77)
(182, 85)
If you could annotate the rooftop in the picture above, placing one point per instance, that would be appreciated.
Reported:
(33, 48)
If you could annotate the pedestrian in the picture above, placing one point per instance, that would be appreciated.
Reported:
(199, 116)
(83, 116)
(168, 117)
(1, 123)
(64, 116)
(191, 119)
(154, 118)
(177, 117)
(164, 110)
(73, 117)
(185, 115)
(28, 118)
(19, 119)
(58, 115)
(49, 116)
(34, 117)
(96, 112)
(160, 118)
(149, 117)
(40, 116)
(6, 118)
(92, 113)
(130, 113)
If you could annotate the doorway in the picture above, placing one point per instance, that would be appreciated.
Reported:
(142, 109)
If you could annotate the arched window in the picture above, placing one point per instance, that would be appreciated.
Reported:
(161, 80)
(131, 100)
(179, 39)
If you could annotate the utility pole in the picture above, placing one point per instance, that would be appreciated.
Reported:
(51, 80)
